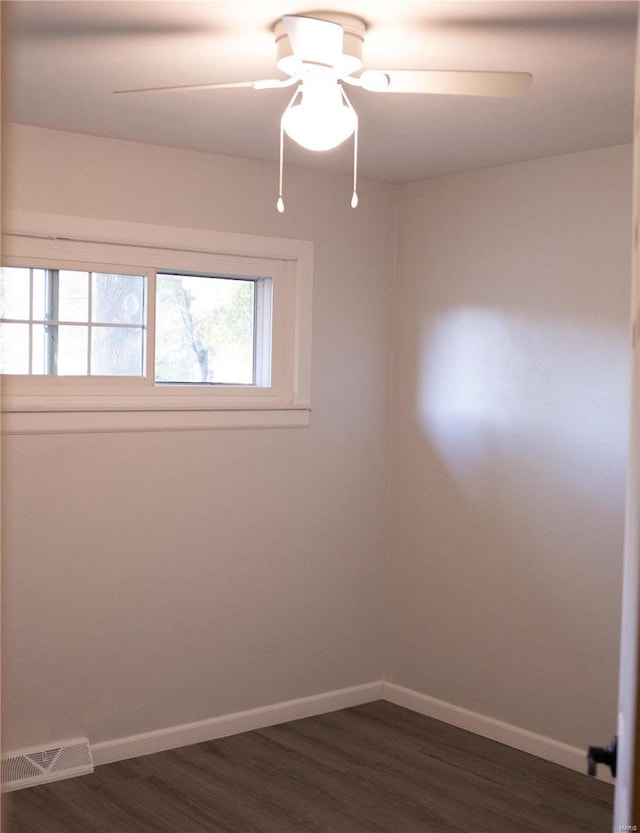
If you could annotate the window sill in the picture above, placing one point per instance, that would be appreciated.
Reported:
(104, 421)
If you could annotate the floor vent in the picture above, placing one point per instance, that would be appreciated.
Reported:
(39, 766)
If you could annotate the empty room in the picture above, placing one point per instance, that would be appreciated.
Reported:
(317, 493)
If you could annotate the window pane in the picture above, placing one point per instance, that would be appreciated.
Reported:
(117, 351)
(38, 346)
(117, 299)
(72, 350)
(14, 348)
(74, 296)
(204, 330)
(14, 292)
(38, 294)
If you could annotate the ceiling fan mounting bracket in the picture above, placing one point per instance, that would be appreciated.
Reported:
(354, 29)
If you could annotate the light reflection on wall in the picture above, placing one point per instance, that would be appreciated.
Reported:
(498, 389)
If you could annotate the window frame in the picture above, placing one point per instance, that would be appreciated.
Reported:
(45, 404)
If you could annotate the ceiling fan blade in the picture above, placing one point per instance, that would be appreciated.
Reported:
(264, 84)
(314, 40)
(447, 82)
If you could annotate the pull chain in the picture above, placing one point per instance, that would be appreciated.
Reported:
(354, 196)
(280, 202)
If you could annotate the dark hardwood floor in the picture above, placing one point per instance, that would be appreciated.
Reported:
(376, 768)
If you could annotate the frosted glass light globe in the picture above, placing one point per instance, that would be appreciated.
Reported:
(321, 121)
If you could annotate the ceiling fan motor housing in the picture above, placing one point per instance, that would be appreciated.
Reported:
(354, 29)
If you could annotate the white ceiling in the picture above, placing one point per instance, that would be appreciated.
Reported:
(62, 60)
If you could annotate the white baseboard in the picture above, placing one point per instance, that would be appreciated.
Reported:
(543, 747)
(230, 724)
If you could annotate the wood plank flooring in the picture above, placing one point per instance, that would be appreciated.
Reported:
(376, 768)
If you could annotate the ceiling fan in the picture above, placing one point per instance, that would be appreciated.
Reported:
(320, 52)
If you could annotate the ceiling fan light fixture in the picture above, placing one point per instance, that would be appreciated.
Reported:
(311, 47)
(322, 120)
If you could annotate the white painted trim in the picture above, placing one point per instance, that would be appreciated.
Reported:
(627, 797)
(60, 405)
(61, 226)
(84, 422)
(230, 724)
(488, 727)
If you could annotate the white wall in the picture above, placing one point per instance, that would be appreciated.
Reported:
(156, 579)
(509, 441)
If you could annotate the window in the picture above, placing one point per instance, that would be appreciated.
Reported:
(212, 330)
(123, 327)
(60, 322)
(71, 323)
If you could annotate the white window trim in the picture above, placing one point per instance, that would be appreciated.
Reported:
(81, 404)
